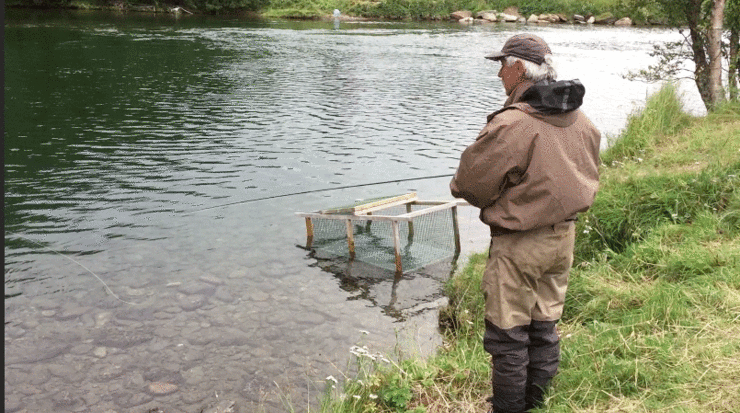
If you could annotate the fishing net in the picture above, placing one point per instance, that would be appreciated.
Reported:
(423, 239)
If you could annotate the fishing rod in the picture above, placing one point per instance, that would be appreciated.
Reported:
(318, 190)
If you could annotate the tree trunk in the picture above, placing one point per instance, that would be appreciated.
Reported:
(698, 48)
(734, 75)
(714, 48)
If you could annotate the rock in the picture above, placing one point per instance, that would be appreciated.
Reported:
(466, 20)
(100, 352)
(192, 303)
(533, 18)
(489, 15)
(26, 351)
(625, 21)
(509, 18)
(127, 399)
(562, 18)
(579, 18)
(461, 14)
(226, 406)
(197, 288)
(604, 18)
(120, 338)
(211, 280)
(159, 388)
(512, 11)
(63, 399)
(12, 403)
(223, 294)
(591, 20)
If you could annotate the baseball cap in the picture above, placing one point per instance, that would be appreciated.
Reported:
(524, 46)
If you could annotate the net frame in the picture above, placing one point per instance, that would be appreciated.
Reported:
(372, 210)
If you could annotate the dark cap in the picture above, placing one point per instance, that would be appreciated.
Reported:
(524, 46)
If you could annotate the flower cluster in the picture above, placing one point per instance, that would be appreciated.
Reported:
(361, 352)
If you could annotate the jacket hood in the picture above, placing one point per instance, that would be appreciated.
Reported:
(552, 98)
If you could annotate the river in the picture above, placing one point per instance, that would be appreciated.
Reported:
(138, 273)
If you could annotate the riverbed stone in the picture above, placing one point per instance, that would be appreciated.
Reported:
(160, 388)
(625, 21)
(224, 406)
(195, 396)
(100, 352)
(23, 350)
(127, 399)
(13, 403)
(121, 338)
(70, 312)
(197, 287)
(210, 279)
(223, 294)
(64, 399)
(192, 302)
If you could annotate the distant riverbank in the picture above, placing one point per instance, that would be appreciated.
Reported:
(538, 12)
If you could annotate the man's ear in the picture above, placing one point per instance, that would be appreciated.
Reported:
(519, 66)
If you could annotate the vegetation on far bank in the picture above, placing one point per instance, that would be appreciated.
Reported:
(651, 319)
(638, 10)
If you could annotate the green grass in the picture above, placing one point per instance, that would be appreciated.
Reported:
(441, 9)
(652, 314)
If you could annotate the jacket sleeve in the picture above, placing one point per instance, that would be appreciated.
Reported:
(496, 161)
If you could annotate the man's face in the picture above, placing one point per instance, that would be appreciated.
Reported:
(511, 76)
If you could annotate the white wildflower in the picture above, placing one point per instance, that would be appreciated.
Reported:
(364, 332)
(373, 396)
(357, 396)
(331, 378)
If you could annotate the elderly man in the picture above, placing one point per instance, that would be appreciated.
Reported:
(531, 170)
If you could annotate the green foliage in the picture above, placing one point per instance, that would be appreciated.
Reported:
(662, 115)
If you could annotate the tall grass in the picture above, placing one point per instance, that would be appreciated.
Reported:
(652, 315)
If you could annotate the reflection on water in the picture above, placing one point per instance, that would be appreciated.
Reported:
(130, 142)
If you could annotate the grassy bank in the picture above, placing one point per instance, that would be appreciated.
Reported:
(639, 11)
(441, 9)
(653, 309)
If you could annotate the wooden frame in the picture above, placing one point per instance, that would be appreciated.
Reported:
(369, 212)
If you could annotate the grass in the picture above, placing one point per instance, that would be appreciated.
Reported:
(441, 9)
(652, 315)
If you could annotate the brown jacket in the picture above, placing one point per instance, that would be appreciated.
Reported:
(536, 161)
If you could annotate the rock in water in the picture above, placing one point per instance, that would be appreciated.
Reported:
(159, 388)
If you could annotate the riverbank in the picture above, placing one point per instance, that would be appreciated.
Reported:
(651, 314)
(533, 12)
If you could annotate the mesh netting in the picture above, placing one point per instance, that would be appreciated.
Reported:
(427, 239)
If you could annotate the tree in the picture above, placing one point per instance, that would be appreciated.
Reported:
(703, 45)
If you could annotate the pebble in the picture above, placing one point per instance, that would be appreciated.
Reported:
(100, 352)
(159, 388)
(211, 280)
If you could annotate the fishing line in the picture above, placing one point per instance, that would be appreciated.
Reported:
(318, 190)
(76, 262)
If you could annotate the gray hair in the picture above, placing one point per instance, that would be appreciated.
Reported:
(535, 72)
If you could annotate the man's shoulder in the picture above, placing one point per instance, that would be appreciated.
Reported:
(509, 115)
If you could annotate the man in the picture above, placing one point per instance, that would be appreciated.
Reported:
(531, 170)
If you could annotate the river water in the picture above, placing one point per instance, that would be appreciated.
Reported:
(135, 275)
